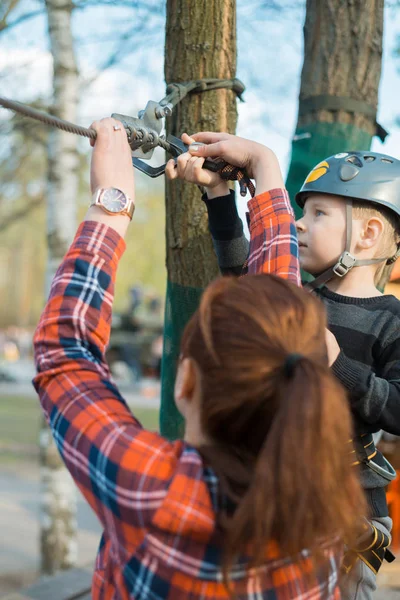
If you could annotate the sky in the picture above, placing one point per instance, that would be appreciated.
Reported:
(270, 54)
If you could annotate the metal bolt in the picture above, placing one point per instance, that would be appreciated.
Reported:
(168, 110)
(163, 111)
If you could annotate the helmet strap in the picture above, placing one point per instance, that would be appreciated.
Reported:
(346, 260)
(395, 256)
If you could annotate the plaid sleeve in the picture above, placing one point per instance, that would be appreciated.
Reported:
(273, 238)
(110, 456)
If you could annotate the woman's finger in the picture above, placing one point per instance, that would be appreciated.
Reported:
(191, 173)
(186, 139)
(94, 126)
(171, 170)
(119, 132)
(210, 137)
(197, 167)
(181, 164)
(200, 175)
(211, 150)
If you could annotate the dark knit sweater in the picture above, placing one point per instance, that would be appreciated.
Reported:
(367, 331)
(226, 228)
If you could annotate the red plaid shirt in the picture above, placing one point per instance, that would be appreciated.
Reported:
(156, 500)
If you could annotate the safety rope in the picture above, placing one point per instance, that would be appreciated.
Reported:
(140, 136)
(231, 173)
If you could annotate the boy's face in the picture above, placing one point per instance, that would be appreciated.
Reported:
(321, 232)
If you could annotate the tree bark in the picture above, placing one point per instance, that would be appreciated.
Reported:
(200, 43)
(342, 58)
(59, 499)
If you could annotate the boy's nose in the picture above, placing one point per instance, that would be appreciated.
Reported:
(300, 225)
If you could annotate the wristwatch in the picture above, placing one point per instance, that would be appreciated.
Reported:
(113, 201)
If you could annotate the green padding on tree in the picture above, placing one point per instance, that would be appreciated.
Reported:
(315, 142)
(181, 303)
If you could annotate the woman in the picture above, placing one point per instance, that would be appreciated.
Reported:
(238, 508)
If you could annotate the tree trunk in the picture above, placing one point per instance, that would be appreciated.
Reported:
(342, 58)
(200, 43)
(59, 499)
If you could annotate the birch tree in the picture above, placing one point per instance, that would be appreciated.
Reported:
(59, 500)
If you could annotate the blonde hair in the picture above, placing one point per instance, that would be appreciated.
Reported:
(390, 237)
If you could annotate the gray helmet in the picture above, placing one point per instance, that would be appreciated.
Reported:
(366, 176)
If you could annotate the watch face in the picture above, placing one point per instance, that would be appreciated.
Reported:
(114, 200)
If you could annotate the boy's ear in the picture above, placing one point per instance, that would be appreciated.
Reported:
(371, 232)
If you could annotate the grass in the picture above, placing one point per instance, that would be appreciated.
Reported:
(148, 417)
(20, 419)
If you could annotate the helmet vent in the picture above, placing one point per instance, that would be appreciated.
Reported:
(348, 172)
(354, 160)
(386, 160)
(369, 158)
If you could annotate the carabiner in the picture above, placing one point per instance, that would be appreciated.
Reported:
(177, 147)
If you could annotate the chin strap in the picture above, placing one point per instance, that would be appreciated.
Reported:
(346, 260)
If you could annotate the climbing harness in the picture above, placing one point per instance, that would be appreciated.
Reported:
(364, 450)
(372, 545)
(144, 132)
(372, 548)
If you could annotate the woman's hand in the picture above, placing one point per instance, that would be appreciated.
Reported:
(257, 160)
(111, 164)
(190, 168)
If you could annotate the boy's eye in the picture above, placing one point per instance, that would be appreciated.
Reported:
(319, 213)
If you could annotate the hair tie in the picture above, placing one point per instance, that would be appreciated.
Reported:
(290, 363)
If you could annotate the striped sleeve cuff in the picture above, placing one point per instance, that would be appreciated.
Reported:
(97, 238)
(350, 373)
(276, 200)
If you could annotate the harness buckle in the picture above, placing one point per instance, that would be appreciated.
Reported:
(345, 263)
(372, 549)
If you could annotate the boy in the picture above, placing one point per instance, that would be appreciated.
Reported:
(349, 231)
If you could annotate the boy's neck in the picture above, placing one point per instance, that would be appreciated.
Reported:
(358, 283)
